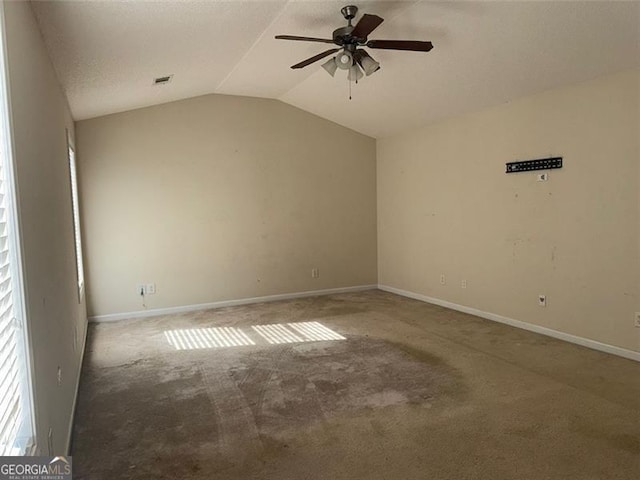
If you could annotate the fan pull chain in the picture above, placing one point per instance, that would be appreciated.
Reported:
(349, 88)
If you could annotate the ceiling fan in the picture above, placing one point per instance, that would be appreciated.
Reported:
(349, 40)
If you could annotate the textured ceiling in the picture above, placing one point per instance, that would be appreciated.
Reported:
(106, 54)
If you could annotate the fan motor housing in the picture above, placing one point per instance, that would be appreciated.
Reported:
(342, 36)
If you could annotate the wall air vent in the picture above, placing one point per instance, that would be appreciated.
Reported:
(529, 165)
(162, 80)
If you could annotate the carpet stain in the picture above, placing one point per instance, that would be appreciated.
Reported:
(244, 401)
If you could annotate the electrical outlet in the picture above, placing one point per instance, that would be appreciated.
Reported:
(542, 300)
(141, 289)
(59, 376)
(150, 289)
(443, 279)
(463, 284)
(542, 177)
(637, 320)
(315, 273)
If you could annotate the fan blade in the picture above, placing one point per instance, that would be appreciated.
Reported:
(315, 58)
(303, 39)
(412, 45)
(366, 25)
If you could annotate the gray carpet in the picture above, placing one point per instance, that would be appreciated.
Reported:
(412, 391)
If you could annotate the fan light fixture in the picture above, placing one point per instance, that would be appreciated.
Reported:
(330, 66)
(344, 60)
(354, 61)
(355, 73)
(368, 64)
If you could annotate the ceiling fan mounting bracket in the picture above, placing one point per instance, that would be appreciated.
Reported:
(349, 12)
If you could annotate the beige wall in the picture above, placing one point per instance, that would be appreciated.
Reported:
(445, 206)
(56, 319)
(220, 197)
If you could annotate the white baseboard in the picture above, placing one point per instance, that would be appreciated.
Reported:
(567, 337)
(226, 303)
(75, 397)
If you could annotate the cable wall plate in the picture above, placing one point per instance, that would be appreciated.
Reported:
(531, 165)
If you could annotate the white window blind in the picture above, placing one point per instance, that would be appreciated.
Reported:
(10, 389)
(16, 422)
(15, 401)
(76, 220)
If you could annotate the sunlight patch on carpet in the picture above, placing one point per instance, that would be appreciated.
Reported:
(196, 338)
(274, 334)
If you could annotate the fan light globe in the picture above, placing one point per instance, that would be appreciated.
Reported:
(344, 60)
(354, 73)
(330, 66)
(369, 65)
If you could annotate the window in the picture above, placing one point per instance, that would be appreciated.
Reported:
(16, 421)
(76, 219)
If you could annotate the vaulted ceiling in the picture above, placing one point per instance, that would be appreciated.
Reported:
(107, 53)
